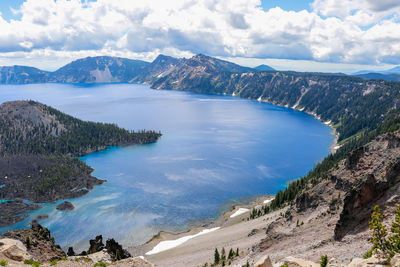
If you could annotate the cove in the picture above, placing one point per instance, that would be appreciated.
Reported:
(215, 151)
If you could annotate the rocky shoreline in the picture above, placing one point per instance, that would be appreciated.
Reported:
(9, 211)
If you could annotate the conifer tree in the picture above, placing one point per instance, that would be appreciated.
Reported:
(223, 254)
(395, 229)
(230, 254)
(380, 245)
(216, 257)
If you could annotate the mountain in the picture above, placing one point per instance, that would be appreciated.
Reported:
(394, 77)
(211, 65)
(264, 67)
(160, 67)
(99, 70)
(105, 69)
(22, 74)
(392, 74)
(38, 152)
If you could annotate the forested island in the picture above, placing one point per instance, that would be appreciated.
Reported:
(39, 146)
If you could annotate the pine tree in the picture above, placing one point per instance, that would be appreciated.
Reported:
(237, 252)
(216, 257)
(395, 229)
(223, 256)
(380, 245)
(28, 242)
(230, 254)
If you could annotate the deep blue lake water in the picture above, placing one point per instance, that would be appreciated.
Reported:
(215, 150)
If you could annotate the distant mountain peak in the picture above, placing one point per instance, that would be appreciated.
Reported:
(264, 67)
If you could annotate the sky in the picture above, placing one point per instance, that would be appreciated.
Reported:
(303, 35)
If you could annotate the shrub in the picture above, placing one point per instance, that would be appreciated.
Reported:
(100, 264)
(3, 263)
(33, 263)
(324, 261)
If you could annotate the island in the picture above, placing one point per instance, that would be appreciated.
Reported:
(38, 155)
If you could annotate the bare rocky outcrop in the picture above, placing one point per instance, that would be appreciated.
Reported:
(372, 170)
(38, 241)
(264, 261)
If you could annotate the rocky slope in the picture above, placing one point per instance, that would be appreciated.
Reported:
(336, 210)
(38, 146)
(39, 242)
(160, 67)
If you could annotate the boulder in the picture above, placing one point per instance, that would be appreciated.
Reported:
(395, 261)
(373, 261)
(264, 262)
(101, 256)
(294, 262)
(13, 249)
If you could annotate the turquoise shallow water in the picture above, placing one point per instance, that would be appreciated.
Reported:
(215, 150)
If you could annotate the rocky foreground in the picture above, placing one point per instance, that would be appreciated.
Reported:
(36, 246)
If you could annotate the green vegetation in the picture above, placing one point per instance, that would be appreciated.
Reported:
(28, 242)
(221, 259)
(84, 259)
(100, 264)
(285, 265)
(3, 263)
(33, 263)
(117, 255)
(324, 261)
(216, 257)
(383, 246)
(54, 262)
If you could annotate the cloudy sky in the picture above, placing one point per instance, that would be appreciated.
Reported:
(324, 35)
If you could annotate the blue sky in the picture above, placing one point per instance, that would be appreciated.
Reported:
(286, 4)
(314, 35)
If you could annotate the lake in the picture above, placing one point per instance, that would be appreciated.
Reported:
(216, 151)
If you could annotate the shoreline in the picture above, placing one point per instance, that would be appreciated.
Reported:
(223, 221)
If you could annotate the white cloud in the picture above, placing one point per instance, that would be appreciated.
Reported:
(333, 32)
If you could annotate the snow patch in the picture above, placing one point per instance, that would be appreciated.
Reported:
(268, 200)
(239, 212)
(169, 244)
